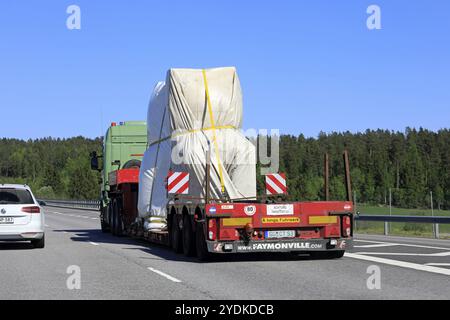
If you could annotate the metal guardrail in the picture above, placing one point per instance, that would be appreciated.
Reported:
(435, 220)
(76, 204)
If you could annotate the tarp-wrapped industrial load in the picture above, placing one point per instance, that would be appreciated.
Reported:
(192, 111)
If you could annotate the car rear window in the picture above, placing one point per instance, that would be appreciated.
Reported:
(15, 196)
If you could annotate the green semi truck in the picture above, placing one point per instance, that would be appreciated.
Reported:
(123, 148)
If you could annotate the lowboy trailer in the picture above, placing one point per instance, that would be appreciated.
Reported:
(208, 226)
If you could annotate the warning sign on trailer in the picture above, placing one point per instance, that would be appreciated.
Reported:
(280, 209)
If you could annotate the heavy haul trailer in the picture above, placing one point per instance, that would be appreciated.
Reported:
(204, 227)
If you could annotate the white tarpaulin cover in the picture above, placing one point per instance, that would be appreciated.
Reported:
(192, 111)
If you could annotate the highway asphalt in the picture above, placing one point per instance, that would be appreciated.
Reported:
(123, 268)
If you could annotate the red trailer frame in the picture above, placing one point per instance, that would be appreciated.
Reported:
(206, 226)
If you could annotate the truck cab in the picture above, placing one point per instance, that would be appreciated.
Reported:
(123, 148)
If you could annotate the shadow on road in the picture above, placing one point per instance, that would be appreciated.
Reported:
(15, 246)
(163, 252)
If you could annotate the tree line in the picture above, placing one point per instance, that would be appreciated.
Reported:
(410, 164)
(53, 168)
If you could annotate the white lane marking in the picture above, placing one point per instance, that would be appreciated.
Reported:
(405, 245)
(165, 275)
(46, 225)
(93, 243)
(401, 264)
(378, 245)
(439, 254)
(438, 264)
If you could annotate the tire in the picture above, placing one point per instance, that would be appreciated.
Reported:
(119, 222)
(103, 224)
(328, 254)
(110, 216)
(113, 217)
(175, 235)
(117, 226)
(39, 243)
(200, 244)
(188, 237)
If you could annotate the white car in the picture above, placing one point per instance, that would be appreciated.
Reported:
(21, 216)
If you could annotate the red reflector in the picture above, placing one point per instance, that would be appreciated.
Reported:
(31, 209)
(347, 223)
(212, 229)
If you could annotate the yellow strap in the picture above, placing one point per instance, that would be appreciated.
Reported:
(177, 134)
(211, 120)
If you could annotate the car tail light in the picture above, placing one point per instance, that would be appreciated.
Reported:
(346, 226)
(212, 229)
(31, 209)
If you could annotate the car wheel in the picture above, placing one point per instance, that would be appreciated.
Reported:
(39, 243)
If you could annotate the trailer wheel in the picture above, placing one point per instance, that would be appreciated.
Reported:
(188, 237)
(175, 235)
(200, 243)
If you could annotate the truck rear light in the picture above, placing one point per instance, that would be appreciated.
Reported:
(249, 228)
(212, 229)
(348, 232)
(346, 226)
(31, 209)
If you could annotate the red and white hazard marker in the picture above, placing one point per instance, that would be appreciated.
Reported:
(178, 182)
(276, 184)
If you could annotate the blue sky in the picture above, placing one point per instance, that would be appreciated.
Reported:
(305, 66)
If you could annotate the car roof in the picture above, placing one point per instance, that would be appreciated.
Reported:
(14, 186)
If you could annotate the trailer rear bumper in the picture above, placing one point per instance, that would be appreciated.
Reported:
(280, 245)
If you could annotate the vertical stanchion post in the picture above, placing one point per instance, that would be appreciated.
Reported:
(207, 174)
(354, 210)
(390, 203)
(435, 225)
(326, 173)
(348, 183)
(386, 228)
